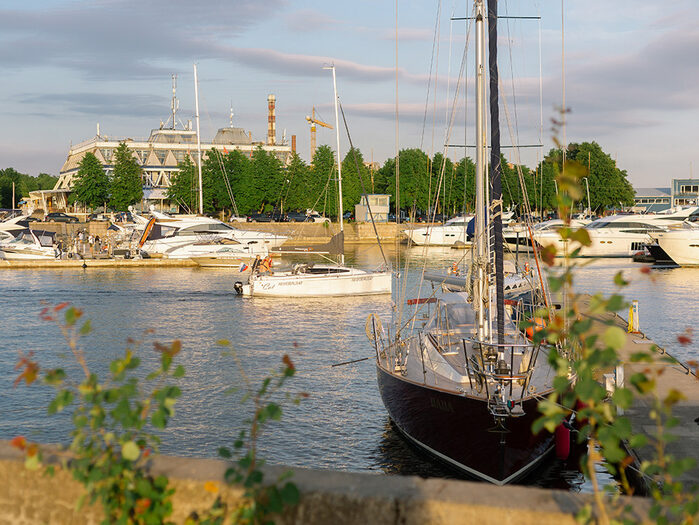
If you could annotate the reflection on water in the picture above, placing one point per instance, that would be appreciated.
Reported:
(343, 424)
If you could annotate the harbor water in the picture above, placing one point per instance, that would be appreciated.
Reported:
(342, 424)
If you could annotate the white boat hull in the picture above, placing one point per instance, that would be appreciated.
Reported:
(438, 236)
(603, 243)
(24, 255)
(681, 245)
(287, 284)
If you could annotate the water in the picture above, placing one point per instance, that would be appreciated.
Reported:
(342, 425)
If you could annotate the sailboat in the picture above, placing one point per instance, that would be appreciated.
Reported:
(320, 280)
(460, 379)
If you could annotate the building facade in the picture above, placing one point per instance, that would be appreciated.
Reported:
(652, 200)
(683, 192)
(159, 157)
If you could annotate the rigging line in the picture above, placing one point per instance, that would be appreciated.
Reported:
(528, 219)
(434, 99)
(229, 189)
(429, 76)
(361, 180)
(512, 78)
(448, 131)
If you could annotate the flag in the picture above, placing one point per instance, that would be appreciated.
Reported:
(225, 151)
(243, 267)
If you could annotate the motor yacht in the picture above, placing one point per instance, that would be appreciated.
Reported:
(451, 232)
(620, 235)
(30, 244)
(681, 245)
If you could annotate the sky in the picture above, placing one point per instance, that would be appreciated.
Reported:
(631, 75)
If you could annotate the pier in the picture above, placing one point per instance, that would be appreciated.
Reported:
(673, 376)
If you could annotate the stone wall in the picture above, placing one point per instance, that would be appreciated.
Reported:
(327, 497)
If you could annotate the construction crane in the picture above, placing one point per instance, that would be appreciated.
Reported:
(313, 121)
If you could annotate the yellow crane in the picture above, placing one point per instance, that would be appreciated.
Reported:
(313, 121)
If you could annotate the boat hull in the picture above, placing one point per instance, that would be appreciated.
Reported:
(365, 283)
(602, 243)
(458, 430)
(19, 255)
(682, 246)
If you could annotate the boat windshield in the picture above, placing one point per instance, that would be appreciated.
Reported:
(452, 316)
(207, 228)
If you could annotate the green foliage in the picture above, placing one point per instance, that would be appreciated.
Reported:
(91, 185)
(111, 438)
(583, 351)
(183, 188)
(609, 186)
(301, 191)
(127, 186)
(23, 185)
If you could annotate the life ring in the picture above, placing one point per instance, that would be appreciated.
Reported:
(527, 268)
(539, 324)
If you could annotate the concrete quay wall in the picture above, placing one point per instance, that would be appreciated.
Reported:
(29, 497)
(355, 232)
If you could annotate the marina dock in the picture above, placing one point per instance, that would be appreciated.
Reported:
(97, 263)
(673, 376)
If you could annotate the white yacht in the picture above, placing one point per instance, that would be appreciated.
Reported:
(321, 280)
(196, 225)
(451, 232)
(309, 280)
(30, 244)
(180, 240)
(10, 227)
(682, 245)
(621, 235)
(518, 234)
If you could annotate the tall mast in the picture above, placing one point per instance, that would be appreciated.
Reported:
(480, 289)
(196, 107)
(175, 103)
(496, 168)
(339, 162)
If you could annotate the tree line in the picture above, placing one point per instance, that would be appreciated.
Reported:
(234, 182)
(23, 184)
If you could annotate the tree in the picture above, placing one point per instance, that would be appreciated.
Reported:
(90, 186)
(183, 186)
(324, 180)
(414, 179)
(351, 183)
(299, 191)
(127, 188)
(609, 187)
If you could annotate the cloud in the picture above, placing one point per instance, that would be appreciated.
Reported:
(124, 38)
(308, 20)
(100, 104)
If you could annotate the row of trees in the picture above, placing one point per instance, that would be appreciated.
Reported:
(237, 183)
(234, 182)
(23, 184)
(92, 187)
